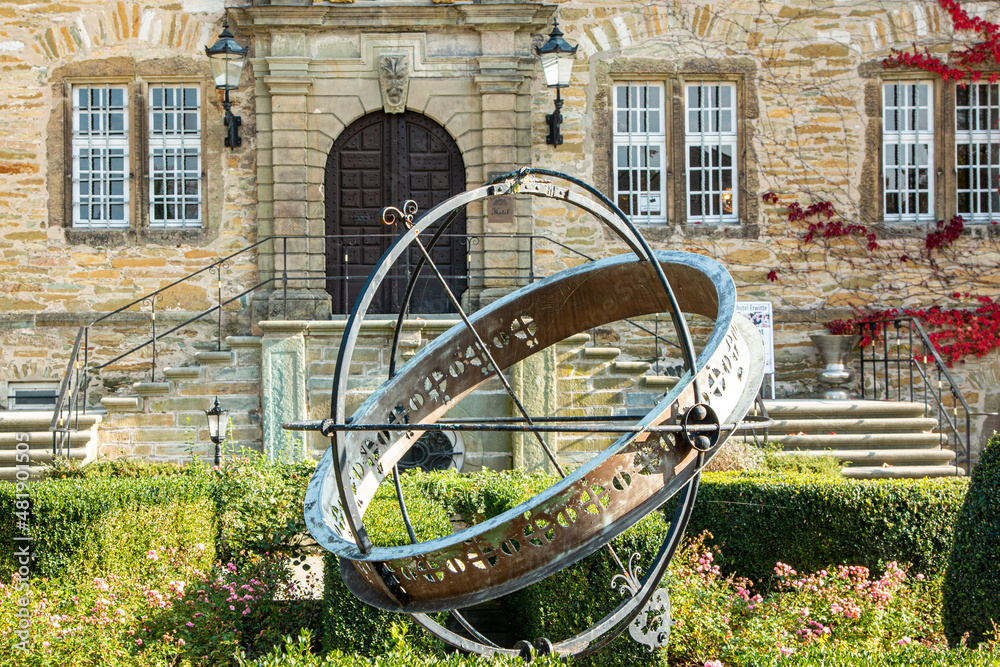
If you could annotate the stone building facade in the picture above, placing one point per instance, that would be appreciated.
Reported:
(429, 97)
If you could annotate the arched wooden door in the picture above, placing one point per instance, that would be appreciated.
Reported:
(382, 160)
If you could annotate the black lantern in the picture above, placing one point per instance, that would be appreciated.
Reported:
(557, 64)
(226, 57)
(215, 431)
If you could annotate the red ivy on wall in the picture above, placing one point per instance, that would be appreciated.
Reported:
(967, 59)
(956, 333)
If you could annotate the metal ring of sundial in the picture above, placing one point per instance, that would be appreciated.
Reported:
(585, 510)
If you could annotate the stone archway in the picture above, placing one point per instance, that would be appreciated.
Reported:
(382, 160)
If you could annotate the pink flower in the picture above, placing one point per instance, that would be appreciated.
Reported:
(785, 651)
(904, 641)
(138, 642)
(232, 608)
(714, 663)
(920, 577)
(181, 642)
(189, 624)
(152, 555)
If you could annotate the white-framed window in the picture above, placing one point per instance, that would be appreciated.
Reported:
(100, 156)
(908, 151)
(32, 395)
(174, 156)
(640, 151)
(977, 152)
(710, 152)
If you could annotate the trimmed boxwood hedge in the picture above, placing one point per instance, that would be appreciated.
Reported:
(105, 525)
(972, 583)
(347, 623)
(814, 522)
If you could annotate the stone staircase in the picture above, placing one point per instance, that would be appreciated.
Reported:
(33, 427)
(874, 439)
(165, 420)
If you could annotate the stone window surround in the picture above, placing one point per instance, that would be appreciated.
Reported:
(740, 71)
(137, 76)
(943, 163)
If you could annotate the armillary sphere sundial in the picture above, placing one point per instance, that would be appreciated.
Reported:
(653, 458)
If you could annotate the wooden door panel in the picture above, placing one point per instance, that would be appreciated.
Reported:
(382, 160)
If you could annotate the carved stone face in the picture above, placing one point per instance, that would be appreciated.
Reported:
(394, 72)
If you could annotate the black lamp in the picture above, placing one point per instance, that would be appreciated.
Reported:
(226, 57)
(557, 64)
(214, 416)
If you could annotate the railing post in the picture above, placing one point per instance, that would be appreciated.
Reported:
(909, 348)
(152, 372)
(86, 361)
(899, 377)
(861, 331)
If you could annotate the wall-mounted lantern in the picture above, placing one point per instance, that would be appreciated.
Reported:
(215, 429)
(226, 57)
(557, 57)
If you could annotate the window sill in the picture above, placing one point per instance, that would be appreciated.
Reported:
(132, 236)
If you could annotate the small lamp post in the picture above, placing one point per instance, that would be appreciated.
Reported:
(226, 57)
(557, 64)
(214, 415)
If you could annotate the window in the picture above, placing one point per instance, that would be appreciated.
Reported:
(169, 186)
(908, 151)
(32, 395)
(640, 151)
(710, 151)
(642, 137)
(100, 157)
(174, 157)
(977, 152)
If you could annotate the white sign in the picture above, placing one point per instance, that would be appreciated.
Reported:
(759, 312)
(649, 204)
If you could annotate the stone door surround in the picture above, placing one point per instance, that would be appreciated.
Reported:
(318, 68)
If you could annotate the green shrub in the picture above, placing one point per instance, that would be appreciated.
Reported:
(259, 505)
(802, 464)
(352, 626)
(107, 525)
(972, 582)
(811, 522)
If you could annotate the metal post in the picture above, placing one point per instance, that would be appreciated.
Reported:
(218, 271)
(899, 378)
(909, 348)
(861, 330)
(152, 372)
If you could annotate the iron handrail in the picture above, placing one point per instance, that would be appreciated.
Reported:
(75, 379)
(872, 329)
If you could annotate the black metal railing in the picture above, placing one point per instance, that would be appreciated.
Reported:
(71, 401)
(899, 362)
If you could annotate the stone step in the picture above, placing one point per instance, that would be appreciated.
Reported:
(601, 352)
(901, 472)
(8, 456)
(860, 425)
(39, 420)
(40, 439)
(857, 441)
(10, 474)
(853, 409)
(876, 457)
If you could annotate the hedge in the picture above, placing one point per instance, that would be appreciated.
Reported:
(106, 525)
(808, 522)
(813, 522)
(352, 626)
(972, 583)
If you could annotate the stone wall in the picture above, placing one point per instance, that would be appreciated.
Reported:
(53, 278)
(807, 72)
